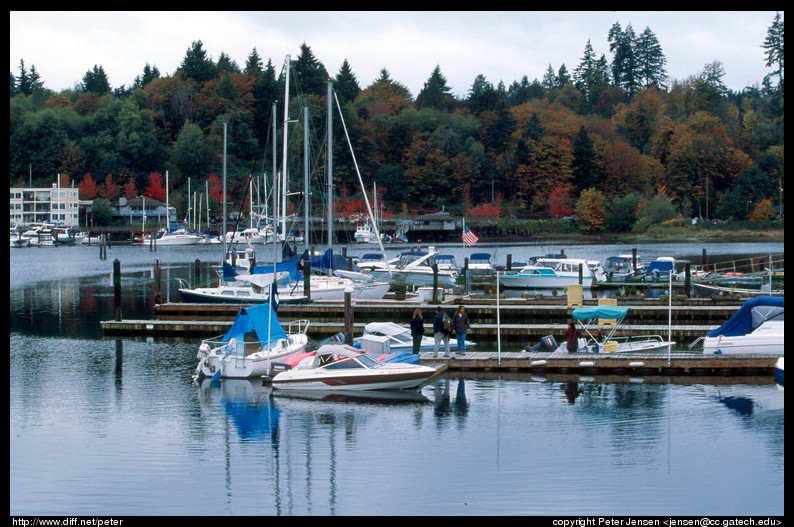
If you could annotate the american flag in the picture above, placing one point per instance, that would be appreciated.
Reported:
(468, 237)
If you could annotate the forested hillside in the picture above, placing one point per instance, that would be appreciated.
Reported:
(607, 140)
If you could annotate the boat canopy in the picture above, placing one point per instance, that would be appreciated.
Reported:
(259, 318)
(385, 328)
(662, 267)
(752, 314)
(292, 267)
(610, 312)
(480, 256)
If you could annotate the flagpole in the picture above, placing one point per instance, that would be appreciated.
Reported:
(463, 232)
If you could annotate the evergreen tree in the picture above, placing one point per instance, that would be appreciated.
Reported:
(310, 72)
(150, 73)
(23, 84)
(226, 65)
(482, 96)
(584, 161)
(435, 93)
(624, 62)
(196, 64)
(773, 50)
(253, 65)
(650, 60)
(549, 79)
(346, 85)
(96, 81)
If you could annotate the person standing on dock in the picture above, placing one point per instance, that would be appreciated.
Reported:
(417, 330)
(571, 338)
(460, 323)
(440, 332)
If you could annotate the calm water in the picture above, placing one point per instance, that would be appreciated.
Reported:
(115, 426)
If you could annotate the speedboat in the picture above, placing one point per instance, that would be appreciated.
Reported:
(608, 318)
(415, 266)
(480, 263)
(400, 338)
(621, 268)
(255, 340)
(546, 273)
(342, 367)
(757, 327)
(177, 237)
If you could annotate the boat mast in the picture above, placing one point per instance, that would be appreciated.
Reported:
(284, 156)
(330, 167)
(305, 178)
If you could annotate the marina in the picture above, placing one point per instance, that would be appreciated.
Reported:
(238, 447)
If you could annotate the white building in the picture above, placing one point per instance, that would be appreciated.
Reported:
(33, 205)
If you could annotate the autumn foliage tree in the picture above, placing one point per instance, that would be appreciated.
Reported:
(561, 202)
(591, 210)
(108, 189)
(155, 189)
(87, 187)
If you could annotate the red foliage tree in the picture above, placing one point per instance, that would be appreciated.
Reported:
(87, 187)
(561, 202)
(130, 190)
(155, 189)
(215, 188)
(108, 189)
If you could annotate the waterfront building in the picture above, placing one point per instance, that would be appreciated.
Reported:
(39, 205)
(135, 210)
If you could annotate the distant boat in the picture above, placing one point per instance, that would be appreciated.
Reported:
(547, 273)
(480, 263)
(415, 266)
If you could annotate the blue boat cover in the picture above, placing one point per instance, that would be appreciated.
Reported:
(480, 256)
(586, 313)
(331, 261)
(664, 267)
(256, 318)
(409, 358)
(292, 267)
(752, 314)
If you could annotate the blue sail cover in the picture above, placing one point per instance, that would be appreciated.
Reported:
(292, 267)
(256, 318)
(586, 313)
(331, 261)
(751, 315)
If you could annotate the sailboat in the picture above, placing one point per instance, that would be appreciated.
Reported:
(254, 341)
(179, 236)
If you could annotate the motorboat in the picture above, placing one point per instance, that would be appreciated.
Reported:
(599, 324)
(176, 237)
(480, 263)
(400, 338)
(416, 267)
(446, 262)
(622, 268)
(16, 238)
(342, 367)
(757, 327)
(547, 273)
(365, 234)
(250, 235)
(255, 340)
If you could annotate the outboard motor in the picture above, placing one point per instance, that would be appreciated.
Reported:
(547, 343)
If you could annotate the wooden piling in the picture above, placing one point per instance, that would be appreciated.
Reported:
(117, 289)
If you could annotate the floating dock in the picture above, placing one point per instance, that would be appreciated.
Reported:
(521, 323)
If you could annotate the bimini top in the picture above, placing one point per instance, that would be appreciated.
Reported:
(259, 318)
(752, 314)
(586, 313)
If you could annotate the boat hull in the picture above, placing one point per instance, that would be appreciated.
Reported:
(257, 364)
(406, 376)
(543, 282)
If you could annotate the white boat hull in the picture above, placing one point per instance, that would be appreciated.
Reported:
(234, 366)
(767, 340)
(543, 282)
(384, 378)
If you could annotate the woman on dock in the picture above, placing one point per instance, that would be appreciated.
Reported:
(417, 330)
(571, 337)
(460, 322)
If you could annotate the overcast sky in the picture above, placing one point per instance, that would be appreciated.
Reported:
(503, 46)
